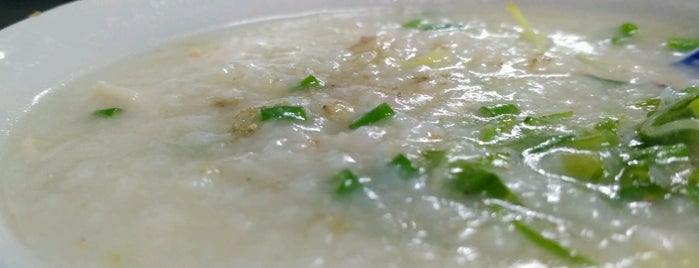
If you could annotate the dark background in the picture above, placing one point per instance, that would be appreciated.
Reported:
(12, 11)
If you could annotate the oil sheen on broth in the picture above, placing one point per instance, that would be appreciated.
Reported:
(518, 148)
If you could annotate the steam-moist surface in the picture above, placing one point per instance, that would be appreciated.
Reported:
(171, 183)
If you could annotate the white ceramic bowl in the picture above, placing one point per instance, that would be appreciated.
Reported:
(47, 51)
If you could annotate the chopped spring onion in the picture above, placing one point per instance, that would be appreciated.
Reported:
(636, 182)
(551, 245)
(549, 143)
(282, 113)
(694, 108)
(307, 83)
(421, 24)
(683, 44)
(471, 179)
(648, 192)
(647, 105)
(499, 109)
(603, 135)
(503, 124)
(628, 29)
(673, 123)
(349, 182)
(434, 158)
(527, 33)
(625, 32)
(404, 164)
(497, 159)
(594, 141)
(693, 193)
(586, 167)
(380, 112)
(547, 119)
(414, 24)
(107, 113)
(660, 154)
(610, 124)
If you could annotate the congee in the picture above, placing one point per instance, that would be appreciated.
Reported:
(473, 137)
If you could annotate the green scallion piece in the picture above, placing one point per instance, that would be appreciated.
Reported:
(349, 182)
(503, 124)
(547, 119)
(489, 132)
(660, 153)
(499, 109)
(610, 124)
(307, 83)
(692, 187)
(626, 31)
(585, 167)
(382, 111)
(404, 164)
(647, 105)
(694, 108)
(283, 113)
(673, 123)
(471, 179)
(549, 143)
(421, 24)
(683, 44)
(413, 24)
(693, 193)
(107, 113)
(434, 158)
(594, 141)
(550, 245)
(649, 192)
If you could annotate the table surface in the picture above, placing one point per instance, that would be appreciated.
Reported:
(12, 11)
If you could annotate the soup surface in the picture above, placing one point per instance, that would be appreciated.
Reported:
(373, 138)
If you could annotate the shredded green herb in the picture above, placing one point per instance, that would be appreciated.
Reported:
(648, 105)
(593, 141)
(628, 29)
(499, 109)
(107, 113)
(497, 159)
(307, 83)
(551, 245)
(471, 179)
(405, 165)
(283, 113)
(625, 32)
(683, 44)
(349, 182)
(434, 158)
(585, 167)
(610, 124)
(503, 124)
(422, 24)
(673, 123)
(693, 193)
(547, 119)
(636, 184)
(380, 112)
(549, 143)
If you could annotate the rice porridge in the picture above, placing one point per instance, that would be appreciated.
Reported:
(371, 138)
